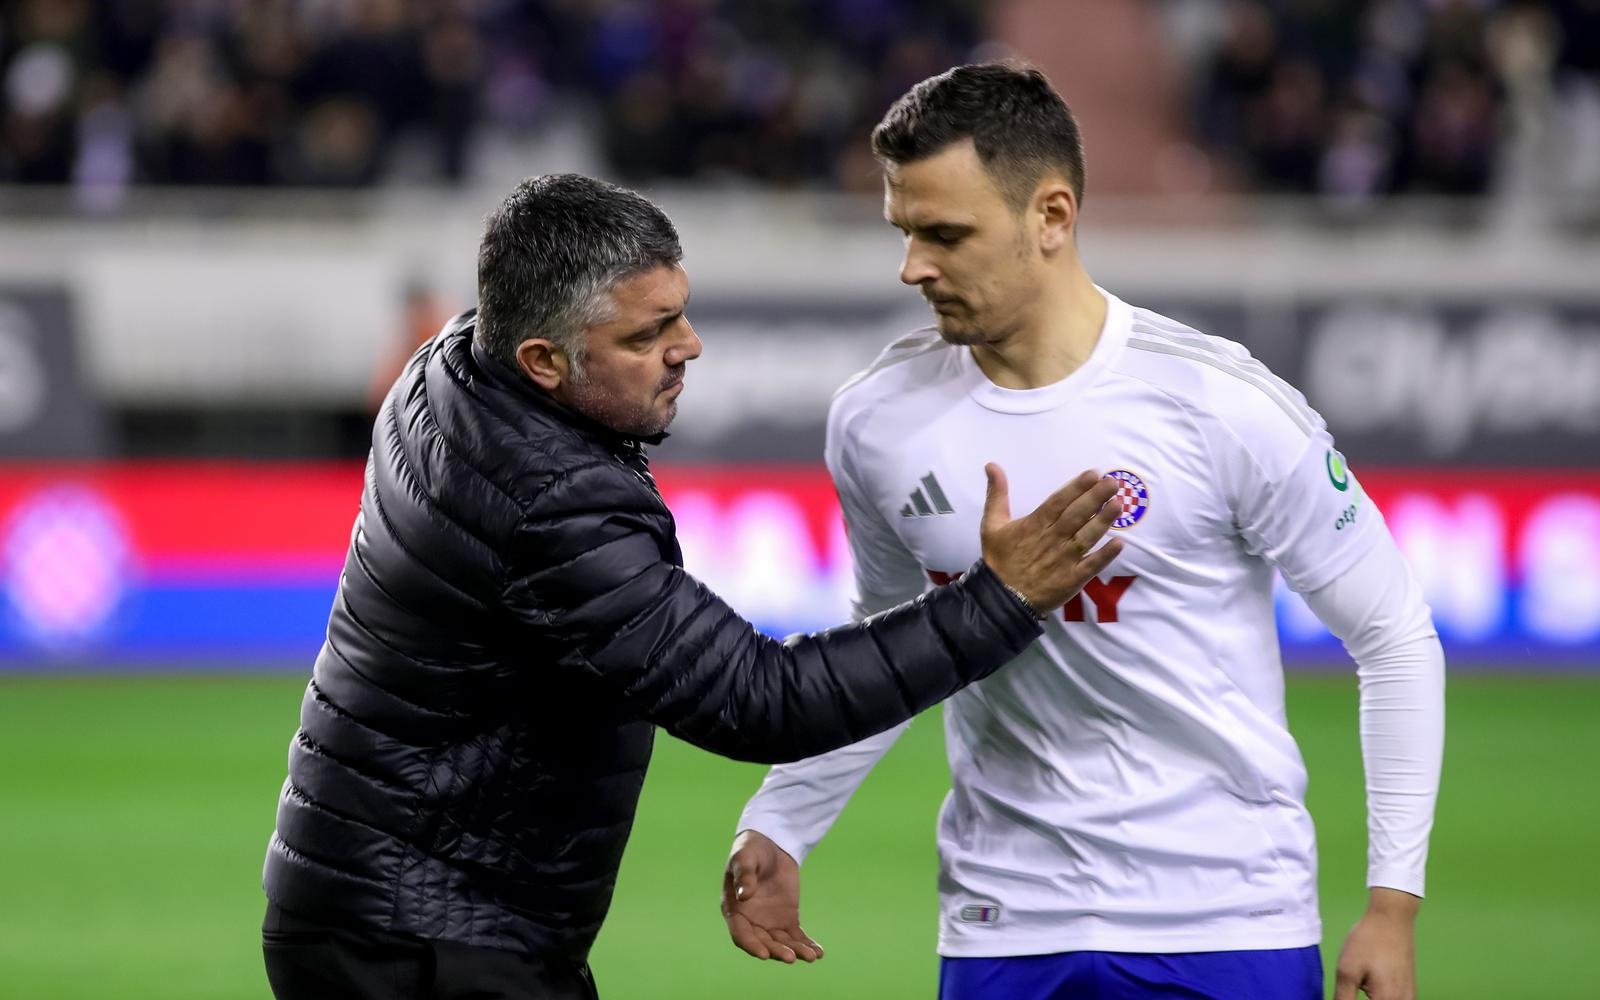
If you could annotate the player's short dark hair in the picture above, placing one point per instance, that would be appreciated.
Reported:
(552, 251)
(1019, 126)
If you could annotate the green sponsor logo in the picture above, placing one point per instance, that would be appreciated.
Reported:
(1338, 475)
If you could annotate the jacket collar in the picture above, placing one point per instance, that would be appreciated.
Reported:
(514, 381)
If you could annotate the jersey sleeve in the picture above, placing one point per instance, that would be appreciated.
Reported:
(886, 573)
(1376, 607)
(798, 803)
(1298, 505)
(1295, 501)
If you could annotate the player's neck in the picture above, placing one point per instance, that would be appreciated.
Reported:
(1053, 342)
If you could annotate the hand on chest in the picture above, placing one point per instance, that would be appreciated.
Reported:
(933, 499)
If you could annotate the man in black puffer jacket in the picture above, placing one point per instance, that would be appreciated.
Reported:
(513, 622)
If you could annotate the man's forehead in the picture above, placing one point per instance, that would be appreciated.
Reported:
(929, 217)
(665, 287)
(916, 208)
(949, 186)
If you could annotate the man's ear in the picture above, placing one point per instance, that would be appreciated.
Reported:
(1058, 212)
(544, 362)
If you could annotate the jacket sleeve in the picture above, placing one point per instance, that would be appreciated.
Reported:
(594, 586)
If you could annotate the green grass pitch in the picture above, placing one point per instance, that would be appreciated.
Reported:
(134, 813)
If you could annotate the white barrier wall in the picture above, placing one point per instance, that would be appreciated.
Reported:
(293, 297)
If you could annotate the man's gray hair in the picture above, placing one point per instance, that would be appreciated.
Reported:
(553, 251)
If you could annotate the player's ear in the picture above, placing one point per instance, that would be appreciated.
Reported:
(1057, 209)
(543, 362)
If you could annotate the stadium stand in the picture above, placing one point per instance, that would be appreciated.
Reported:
(1354, 100)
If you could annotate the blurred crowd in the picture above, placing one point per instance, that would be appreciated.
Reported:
(1349, 98)
(1360, 98)
(235, 92)
(344, 92)
(784, 92)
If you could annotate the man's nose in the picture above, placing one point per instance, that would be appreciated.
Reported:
(687, 346)
(916, 268)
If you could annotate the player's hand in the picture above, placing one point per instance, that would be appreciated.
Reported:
(761, 901)
(1045, 555)
(1379, 958)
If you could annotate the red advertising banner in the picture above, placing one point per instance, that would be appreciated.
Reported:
(216, 562)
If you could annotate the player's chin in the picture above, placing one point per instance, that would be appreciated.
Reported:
(959, 334)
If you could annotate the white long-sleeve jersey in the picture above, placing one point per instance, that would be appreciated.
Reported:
(1129, 783)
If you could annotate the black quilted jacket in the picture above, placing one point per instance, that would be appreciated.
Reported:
(511, 624)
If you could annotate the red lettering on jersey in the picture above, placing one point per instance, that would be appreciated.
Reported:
(1104, 594)
(941, 578)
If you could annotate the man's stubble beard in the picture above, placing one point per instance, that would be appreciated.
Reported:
(965, 333)
(963, 337)
(624, 416)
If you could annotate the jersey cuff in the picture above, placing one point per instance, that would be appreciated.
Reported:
(1396, 877)
(771, 827)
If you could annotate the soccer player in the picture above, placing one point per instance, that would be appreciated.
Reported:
(1127, 815)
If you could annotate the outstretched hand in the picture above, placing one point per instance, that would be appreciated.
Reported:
(1045, 556)
(761, 901)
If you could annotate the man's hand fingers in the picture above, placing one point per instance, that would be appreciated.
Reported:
(777, 950)
(747, 938)
(1069, 497)
(758, 942)
(996, 498)
(1088, 509)
(1379, 986)
(1345, 986)
(1096, 562)
(795, 940)
(1099, 525)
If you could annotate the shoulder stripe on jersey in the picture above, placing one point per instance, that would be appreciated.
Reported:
(1295, 413)
(904, 349)
(1166, 329)
(1164, 322)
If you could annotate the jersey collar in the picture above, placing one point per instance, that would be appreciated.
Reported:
(1113, 335)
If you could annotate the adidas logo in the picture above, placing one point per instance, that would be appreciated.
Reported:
(927, 500)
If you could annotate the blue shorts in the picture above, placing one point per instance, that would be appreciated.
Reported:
(1287, 974)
